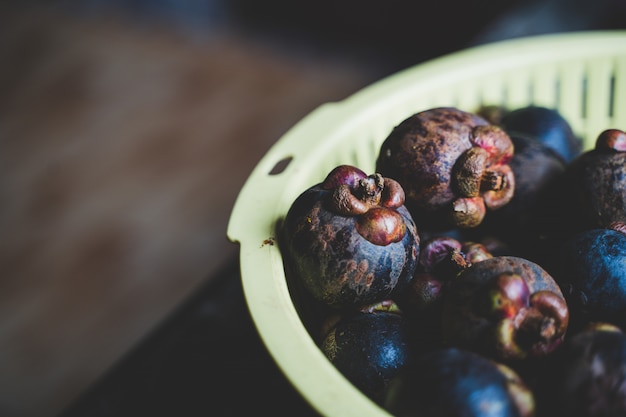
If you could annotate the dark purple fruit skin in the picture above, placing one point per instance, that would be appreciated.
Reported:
(465, 326)
(369, 349)
(421, 152)
(440, 258)
(536, 168)
(337, 265)
(591, 270)
(595, 189)
(448, 133)
(547, 126)
(521, 223)
(451, 382)
(586, 377)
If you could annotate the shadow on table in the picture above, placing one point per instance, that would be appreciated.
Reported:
(205, 360)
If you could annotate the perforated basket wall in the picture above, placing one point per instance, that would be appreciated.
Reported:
(583, 75)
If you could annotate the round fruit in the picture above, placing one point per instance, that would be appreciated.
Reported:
(547, 126)
(369, 349)
(591, 270)
(505, 307)
(455, 382)
(440, 259)
(594, 186)
(453, 166)
(349, 240)
(519, 223)
(587, 376)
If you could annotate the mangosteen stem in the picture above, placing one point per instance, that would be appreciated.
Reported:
(353, 202)
(493, 181)
(370, 189)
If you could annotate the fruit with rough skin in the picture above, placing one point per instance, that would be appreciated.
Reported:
(536, 168)
(350, 240)
(594, 185)
(441, 259)
(452, 164)
(505, 307)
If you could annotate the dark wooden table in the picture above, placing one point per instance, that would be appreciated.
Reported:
(205, 359)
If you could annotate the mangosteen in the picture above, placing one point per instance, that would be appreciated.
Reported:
(505, 307)
(452, 164)
(369, 349)
(456, 382)
(441, 258)
(593, 190)
(591, 270)
(519, 223)
(586, 377)
(330, 318)
(547, 125)
(350, 240)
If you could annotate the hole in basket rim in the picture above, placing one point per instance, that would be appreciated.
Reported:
(281, 165)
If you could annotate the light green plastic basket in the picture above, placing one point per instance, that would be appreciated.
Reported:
(583, 75)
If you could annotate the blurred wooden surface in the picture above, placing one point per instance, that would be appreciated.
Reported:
(122, 151)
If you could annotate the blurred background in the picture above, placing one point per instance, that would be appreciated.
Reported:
(127, 128)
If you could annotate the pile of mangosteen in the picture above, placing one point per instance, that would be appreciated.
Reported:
(479, 271)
